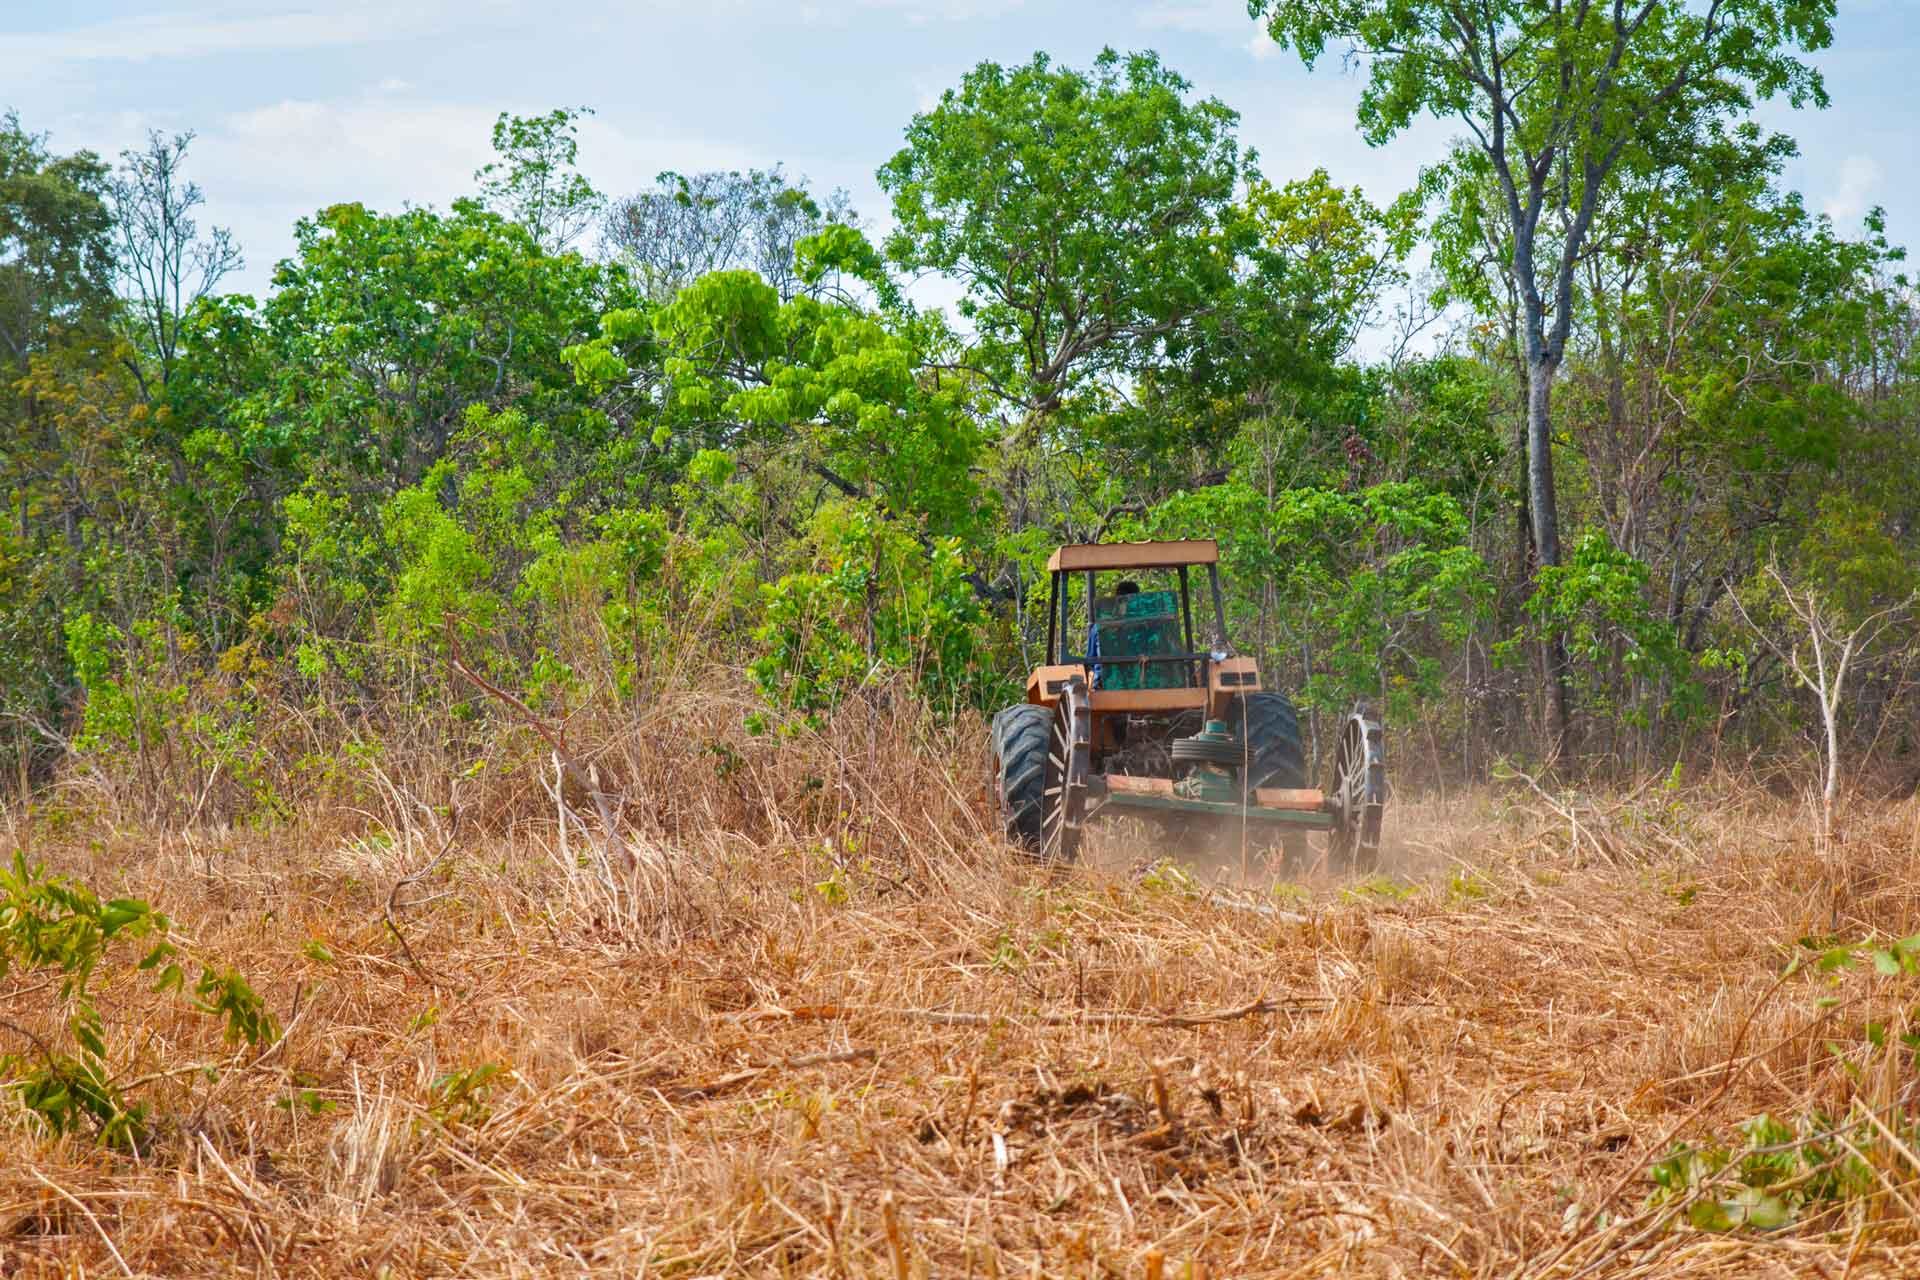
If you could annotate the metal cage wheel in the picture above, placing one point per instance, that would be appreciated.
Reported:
(1063, 809)
(1359, 792)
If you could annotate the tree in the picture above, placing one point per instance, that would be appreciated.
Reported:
(687, 226)
(1854, 583)
(1558, 96)
(805, 387)
(1727, 323)
(383, 332)
(535, 182)
(165, 265)
(1341, 250)
(56, 258)
(1357, 595)
(56, 298)
(1090, 217)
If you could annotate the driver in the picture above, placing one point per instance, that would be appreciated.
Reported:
(1127, 587)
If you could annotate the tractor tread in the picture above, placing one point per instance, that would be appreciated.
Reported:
(1020, 774)
(1270, 727)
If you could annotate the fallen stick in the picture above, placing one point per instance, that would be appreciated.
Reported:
(407, 882)
(749, 1074)
(961, 1018)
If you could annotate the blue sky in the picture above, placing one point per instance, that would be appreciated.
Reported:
(298, 105)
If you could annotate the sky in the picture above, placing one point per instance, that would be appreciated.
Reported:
(298, 104)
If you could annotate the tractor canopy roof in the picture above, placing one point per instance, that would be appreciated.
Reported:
(1133, 555)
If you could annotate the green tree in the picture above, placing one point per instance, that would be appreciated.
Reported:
(536, 181)
(1717, 390)
(1089, 216)
(56, 299)
(852, 399)
(56, 255)
(1558, 96)
(1362, 595)
(383, 330)
(1340, 248)
(1852, 584)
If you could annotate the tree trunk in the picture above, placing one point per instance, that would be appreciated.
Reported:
(1541, 366)
(1515, 712)
(1830, 712)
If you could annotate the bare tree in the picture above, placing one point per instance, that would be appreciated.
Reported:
(1837, 640)
(688, 225)
(165, 263)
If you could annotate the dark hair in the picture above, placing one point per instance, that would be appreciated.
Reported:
(1127, 588)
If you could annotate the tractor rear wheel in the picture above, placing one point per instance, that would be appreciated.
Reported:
(1267, 724)
(1270, 728)
(1019, 778)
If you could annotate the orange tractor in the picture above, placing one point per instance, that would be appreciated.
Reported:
(1129, 715)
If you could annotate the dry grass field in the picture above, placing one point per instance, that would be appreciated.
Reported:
(823, 1025)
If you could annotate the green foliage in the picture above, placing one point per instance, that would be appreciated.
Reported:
(162, 721)
(840, 250)
(1777, 1176)
(1598, 600)
(826, 388)
(441, 569)
(1355, 581)
(464, 1097)
(1088, 215)
(1341, 251)
(1861, 568)
(55, 926)
(872, 608)
(363, 388)
(1639, 74)
(55, 226)
(535, 182)
(1748, 294)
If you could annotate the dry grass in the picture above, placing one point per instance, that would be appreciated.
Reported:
(826, 1026)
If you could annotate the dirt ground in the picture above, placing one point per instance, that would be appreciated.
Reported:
(769, 1052)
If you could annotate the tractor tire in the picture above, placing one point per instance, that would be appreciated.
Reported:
(1019, 776)
(1267, 723)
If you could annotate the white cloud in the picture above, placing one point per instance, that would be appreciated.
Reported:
(385, 151)
(1229, 22)
(915, 13)
(150, 37)
(265, 167)
(923, 11)
(368, 150)
(1215, 19)
(1859, 177)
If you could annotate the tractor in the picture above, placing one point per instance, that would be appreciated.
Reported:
(1129, 716)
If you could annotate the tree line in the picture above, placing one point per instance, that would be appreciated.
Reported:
(1596, 450)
